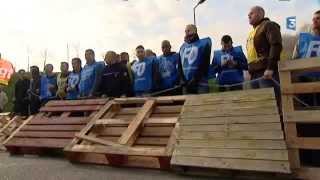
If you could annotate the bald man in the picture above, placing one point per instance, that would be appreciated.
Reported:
(168, 68)
(264, 46)
(194, 61)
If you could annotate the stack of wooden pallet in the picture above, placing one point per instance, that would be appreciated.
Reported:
(8, 128)
(302, 123)
(54, 127)
(238, 131)
(137, 132)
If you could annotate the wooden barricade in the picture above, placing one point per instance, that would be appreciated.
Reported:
(236, 132)
(302, 124)
(54, 127)
(134, 132)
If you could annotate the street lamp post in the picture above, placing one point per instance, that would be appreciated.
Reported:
(194, 10)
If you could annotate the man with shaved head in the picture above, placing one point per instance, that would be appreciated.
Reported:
(168, 68)
(194, 61)
(264, 46)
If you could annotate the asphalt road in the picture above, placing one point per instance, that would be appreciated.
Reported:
(44, 168)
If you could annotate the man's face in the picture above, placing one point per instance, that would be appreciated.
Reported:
(124, 58)
(316, 21)
(64, 68)
(34, 72)
(111, 58)
(140, 53)
(226, 46)
(49, 69)
(166, 48)
(76, 65)
(21, 74)
(89, 57)
(190, 31)
(254, 16)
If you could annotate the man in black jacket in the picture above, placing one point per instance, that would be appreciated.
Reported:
(21, 95)
(115, 81)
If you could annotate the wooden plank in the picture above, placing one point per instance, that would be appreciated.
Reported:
(234, 144)
(308, 116)
(301, 88)
(128, 151)
(38, 142)
(131, 133)
(52, 128)
(271, 110)
(8, 124)
(301, 64)
(233, 164)
(148, 122)
(312, 143)
(65, 114)
(45, 134)
(259, 135)
(232, 127)
(153, 141)
(78, 102)
(97, 140)
(172, 140)
(156, 131)
(157, 110)
(231, 119)
(231, 104)
(159, 100)
(110, 131)
(261, 154)
(70, 108)
(60, 121)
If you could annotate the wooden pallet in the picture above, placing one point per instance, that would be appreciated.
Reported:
(301, 124)
(134, 132)
(234, 131)
(9, 127)
(54, 127)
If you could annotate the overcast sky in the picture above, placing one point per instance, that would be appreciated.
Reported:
(32, 26)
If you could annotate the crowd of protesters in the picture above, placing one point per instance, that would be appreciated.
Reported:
(172, 73)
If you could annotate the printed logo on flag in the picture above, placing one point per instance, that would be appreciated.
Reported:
(291, 23)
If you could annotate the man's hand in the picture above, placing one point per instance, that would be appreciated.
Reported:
(246, 76)
(268, 74)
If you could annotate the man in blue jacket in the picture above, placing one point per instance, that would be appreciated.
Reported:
(90, 76)
(48, 85)
(195, 60)
(230, 64)
(74, 80)
(168, 68)
(145, 74)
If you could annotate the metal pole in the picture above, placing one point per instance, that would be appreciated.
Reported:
(194, 14)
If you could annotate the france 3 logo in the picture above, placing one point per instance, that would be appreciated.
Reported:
(292, 23)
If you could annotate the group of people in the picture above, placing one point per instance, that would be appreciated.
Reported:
(172, 73)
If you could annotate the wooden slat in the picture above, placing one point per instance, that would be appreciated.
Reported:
(156, 131)
(301, 64)
(154, 141)
(301, 88)
(309, 116)
(111, 131)
(60, 121)
(312, 143)
(235, 144)
(233, 127)
(45, 134)
(120, 150)
(131, 133)
(159, 100)
(233, 164)
(38, 142)
(157, 110)
(271, 110)
(77, 102)
(148, 122)
(52, 128)
(97, 140)
(261, 154)
(231, 120)
(70, 108)
(263, 135)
